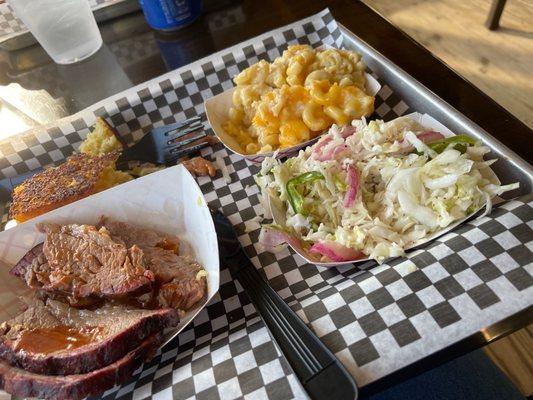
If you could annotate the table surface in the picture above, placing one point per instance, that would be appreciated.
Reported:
(133, 54)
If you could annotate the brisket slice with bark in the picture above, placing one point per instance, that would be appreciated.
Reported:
(26, 271)
(83, 262)
(23, 383)
(180, 280)
(54, 339)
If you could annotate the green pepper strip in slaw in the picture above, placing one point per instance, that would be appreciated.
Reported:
(461, 142)
(295, 198)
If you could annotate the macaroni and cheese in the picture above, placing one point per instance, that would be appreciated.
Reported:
(297, 97)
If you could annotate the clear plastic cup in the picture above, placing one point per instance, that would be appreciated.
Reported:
(66, 29)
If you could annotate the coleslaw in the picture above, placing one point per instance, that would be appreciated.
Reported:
(373, 189)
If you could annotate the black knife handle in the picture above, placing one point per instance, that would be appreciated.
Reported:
(320, 372)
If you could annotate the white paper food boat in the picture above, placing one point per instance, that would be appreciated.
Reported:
(169, 201)
(428, 122)
(217, 112)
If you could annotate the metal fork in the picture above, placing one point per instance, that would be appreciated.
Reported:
(160, 145)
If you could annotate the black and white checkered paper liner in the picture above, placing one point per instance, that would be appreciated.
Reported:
(375, 320)
(11, 25)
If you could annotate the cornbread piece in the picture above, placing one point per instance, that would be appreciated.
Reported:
(53, 339)
(145, 169)
(24, 384)
(180, 281)
(79, 176)
(101, 140)
(83, 262)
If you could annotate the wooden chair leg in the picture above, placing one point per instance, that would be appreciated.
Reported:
(495, 13)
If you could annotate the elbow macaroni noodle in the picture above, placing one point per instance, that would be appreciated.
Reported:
(297, 97)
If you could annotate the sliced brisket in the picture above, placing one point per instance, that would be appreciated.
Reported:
(74, 387)
(34, 255)
(181, 281)
(52, 338)
(83, 262)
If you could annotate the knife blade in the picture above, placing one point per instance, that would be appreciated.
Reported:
(320, 372)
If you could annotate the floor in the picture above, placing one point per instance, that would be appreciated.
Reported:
(501, 64)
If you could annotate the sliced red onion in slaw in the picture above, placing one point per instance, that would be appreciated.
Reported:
(353, 186)
(336, 251)
(318, 153)
(425, 137)
(430, 136)
(339, 150)
(272, 237)
(347, 131)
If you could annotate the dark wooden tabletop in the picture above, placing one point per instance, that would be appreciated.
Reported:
(133, 53)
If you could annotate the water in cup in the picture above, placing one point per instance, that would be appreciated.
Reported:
(66, 29)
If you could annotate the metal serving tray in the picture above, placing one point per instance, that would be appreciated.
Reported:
(510, 166)
(432, 340)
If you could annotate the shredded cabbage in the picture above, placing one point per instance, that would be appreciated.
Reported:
(403, 195)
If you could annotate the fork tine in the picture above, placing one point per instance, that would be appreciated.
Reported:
(181, 143)
(177, 133)
(173, 156)
(178, 125)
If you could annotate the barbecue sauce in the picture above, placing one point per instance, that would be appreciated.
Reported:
(170, 245)
(50, 340)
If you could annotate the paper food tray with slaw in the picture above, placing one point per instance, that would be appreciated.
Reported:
(372, 190)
